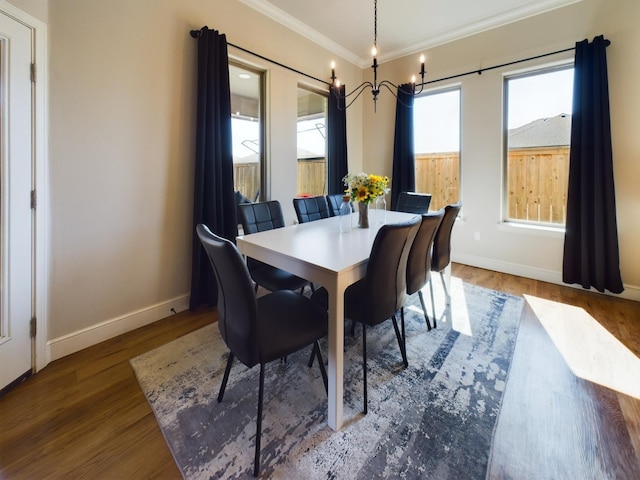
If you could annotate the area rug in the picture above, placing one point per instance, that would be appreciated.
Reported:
(434, 419)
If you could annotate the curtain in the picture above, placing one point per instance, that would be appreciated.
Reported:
(404, 164)
(591, 256)
(213, 201)
(336, 140)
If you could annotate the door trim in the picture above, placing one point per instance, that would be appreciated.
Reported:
(40, 351)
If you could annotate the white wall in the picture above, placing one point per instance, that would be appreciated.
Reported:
(526, 252)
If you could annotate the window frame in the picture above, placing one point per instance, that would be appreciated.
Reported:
(438, 91)
(507, 77)
(325, 95)
(262, 127)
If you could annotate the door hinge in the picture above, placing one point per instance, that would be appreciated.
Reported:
(34, 72)
(34, 199)
(33, 327)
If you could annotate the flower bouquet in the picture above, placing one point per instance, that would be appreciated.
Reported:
(365, 188)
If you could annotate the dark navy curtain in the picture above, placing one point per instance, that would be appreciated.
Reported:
(213, 201)
(336, 140)
(591, 256)
(404, 163)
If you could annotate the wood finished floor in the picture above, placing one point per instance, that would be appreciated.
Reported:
(84, 416)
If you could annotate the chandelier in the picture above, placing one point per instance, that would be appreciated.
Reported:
(375, 86)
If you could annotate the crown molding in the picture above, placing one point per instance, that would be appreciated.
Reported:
(532, 9)
(283, 18)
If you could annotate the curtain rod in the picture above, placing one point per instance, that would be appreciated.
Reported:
(479, 71)
(196, 34)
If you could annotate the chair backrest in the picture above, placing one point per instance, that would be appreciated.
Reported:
(334, 202)
(419, 260)
(237, 310)
(257, 217)
(309, 209)
(412, 202)
(386, 278)
(442, 243)
(239, 198)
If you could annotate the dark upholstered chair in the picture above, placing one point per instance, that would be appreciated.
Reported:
(412, 202)
(239, 198)
(259, 330)
(382, 292)
(419, 261)
(257, 217)
(441, 255)
(309, 209)
(334, 202)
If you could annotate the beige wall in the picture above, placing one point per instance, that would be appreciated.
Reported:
(501, 247)
(121, 127)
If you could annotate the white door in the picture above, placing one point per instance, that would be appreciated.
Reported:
(16, 214)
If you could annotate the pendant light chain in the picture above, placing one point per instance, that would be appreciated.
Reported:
(375, 24)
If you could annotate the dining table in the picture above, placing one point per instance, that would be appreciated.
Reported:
(320, 253)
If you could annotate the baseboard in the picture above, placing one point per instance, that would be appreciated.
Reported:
(631, 292)
(87, 337)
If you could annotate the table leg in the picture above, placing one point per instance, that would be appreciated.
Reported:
(336, 356)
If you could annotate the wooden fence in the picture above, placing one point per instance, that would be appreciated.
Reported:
(538, 179)
(246, 178)
(439, 175)
(537, 189)
(312, 176)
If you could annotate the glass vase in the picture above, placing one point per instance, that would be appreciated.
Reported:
(381, 210)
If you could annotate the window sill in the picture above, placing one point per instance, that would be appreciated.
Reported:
(538, 230)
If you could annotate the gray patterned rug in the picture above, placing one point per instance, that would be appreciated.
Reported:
(432, 420)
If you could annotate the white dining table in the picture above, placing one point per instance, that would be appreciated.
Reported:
(317, 251)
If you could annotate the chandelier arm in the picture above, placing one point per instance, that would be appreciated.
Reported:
(387, 84)
(358, 89)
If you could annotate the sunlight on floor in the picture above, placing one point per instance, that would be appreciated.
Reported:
(443, 313)
(590, 351)
(461, 321)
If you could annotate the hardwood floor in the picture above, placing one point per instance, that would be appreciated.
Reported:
(84, 416)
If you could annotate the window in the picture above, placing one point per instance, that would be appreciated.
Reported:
(436, 120)
(312, 160)
(247, 126)
(538, 118)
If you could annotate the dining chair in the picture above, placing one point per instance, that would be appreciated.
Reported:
(309, 209)
(441, 255)
(381, 294)
(259, 330)
(419, 259)
(334, 201)
(258, 217)
(412, 202)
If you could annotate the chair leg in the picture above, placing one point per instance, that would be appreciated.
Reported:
(256, 464)
(364, 365)
(444, 285)
(400, 337)
(323, 370)
(424, 310)
(312, 357)
(433, 303)
(225, 378)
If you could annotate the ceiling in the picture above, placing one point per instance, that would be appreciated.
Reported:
(345, 27)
